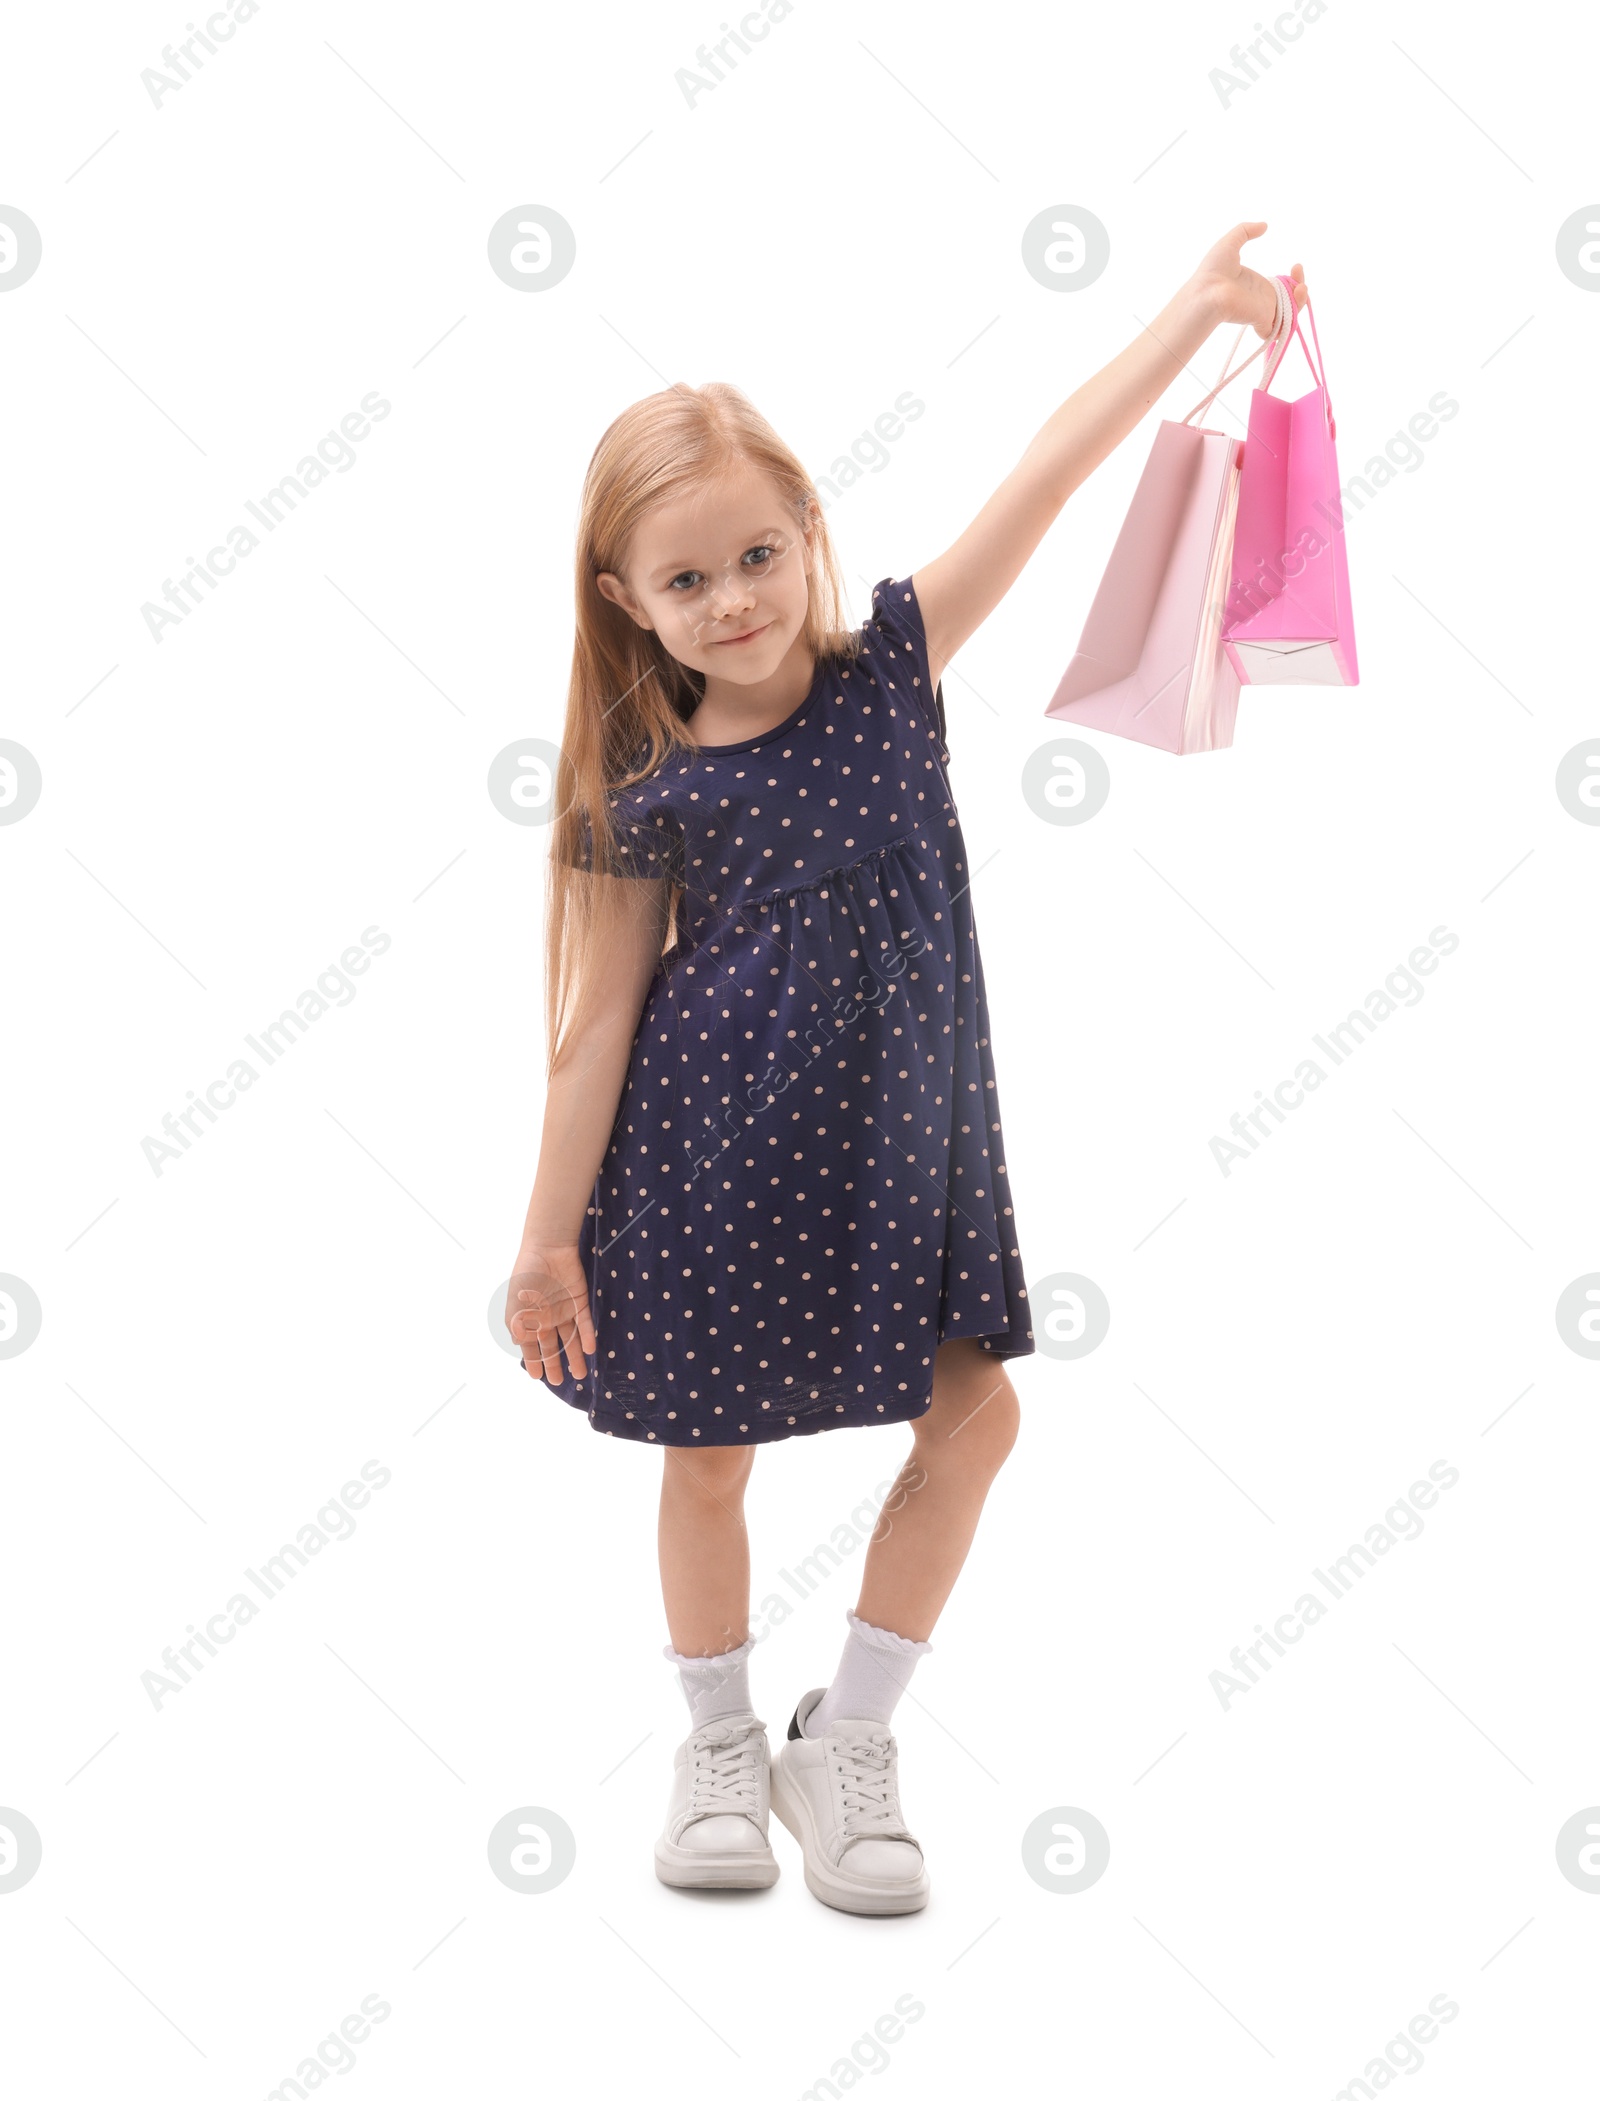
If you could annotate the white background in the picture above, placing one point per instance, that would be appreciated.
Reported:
(306, 1288)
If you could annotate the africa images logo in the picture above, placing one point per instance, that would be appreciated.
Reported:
(1401, 988)
(335, 454)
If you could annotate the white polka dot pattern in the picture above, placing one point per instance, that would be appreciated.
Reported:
(805, 1190)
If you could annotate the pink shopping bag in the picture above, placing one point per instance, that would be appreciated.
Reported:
(1150, 663)
(1288, 620)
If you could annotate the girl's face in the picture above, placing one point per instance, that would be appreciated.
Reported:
(721, 577)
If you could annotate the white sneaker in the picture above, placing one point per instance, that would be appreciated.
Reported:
(840, 1796)
(716, 1829)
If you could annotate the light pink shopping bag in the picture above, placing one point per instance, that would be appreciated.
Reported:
(1288, 620)
(1150, 663)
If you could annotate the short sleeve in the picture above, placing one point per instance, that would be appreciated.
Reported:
(647, 842)
(896, 624)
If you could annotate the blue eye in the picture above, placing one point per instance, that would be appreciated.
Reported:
(689, 577)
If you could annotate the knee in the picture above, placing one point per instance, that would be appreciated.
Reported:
(717, 1470)
(995, 1426)
(975, 1425)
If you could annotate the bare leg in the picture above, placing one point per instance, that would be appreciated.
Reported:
(704, 1547)
(931, 1513)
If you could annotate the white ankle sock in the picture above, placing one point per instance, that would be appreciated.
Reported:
(873, 1672)
(715, 1686)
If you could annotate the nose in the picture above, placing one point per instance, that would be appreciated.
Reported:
(733, 592)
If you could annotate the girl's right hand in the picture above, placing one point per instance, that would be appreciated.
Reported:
(547, 1311)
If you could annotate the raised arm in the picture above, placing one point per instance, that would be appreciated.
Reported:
(958, 591)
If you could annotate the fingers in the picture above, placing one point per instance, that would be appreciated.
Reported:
(536, 1328)
(544, 1331)
(527, 1320)
(549, 1344)
(549, 1319)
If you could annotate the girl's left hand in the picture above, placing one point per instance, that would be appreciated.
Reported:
(1236, 293)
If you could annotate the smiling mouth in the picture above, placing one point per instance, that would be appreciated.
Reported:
(749, 635)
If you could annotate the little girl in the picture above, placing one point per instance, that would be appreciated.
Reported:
(772, 1196)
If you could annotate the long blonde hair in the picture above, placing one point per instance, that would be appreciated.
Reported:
(629, 698)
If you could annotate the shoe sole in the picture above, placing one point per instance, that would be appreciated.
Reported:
(867, 1900)
(678, 1868)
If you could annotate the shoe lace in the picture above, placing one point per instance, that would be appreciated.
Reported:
(724, 1770)
(870, 1801)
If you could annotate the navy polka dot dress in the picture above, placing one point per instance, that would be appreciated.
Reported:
(805, 1191)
